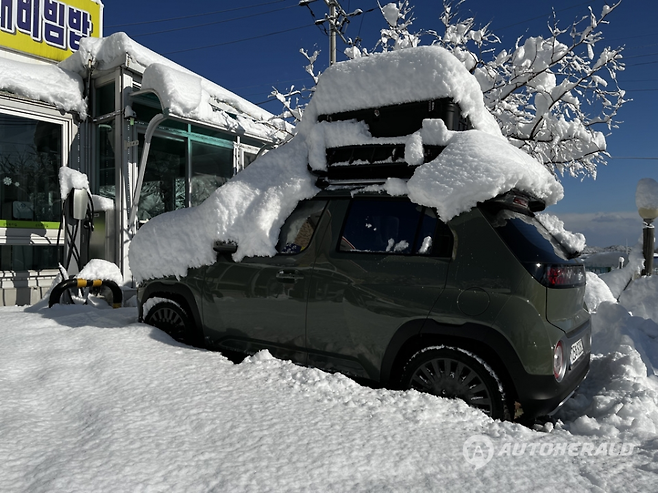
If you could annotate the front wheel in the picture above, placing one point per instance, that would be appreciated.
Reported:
(455, 373)
(175, 321)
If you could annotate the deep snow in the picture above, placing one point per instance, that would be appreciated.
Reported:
(91, 400)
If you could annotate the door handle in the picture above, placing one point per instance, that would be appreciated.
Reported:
(289, 276)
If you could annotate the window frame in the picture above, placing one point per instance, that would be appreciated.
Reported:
(46, 234)
(435, 253)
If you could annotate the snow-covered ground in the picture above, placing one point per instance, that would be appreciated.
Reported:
(92, 400)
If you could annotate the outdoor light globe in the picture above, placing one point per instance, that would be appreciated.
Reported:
(646, 199)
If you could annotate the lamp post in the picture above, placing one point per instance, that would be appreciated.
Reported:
(646, 199)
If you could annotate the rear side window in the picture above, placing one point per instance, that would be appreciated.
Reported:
(394, 226)
(527, 238)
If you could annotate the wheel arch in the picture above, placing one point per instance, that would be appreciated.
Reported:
(178, 293)
(485, 342)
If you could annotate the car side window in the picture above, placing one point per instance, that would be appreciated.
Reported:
(297, 231)
(394, 226)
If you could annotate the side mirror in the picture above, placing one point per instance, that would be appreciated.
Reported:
(226, 248)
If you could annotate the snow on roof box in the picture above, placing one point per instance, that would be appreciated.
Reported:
(403, 76)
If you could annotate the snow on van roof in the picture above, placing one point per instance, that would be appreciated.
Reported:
(250, 209)
(48, 83)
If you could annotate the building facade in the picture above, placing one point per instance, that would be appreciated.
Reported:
(109, 108)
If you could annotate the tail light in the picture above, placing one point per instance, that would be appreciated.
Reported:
(559, 362)
(563, 276)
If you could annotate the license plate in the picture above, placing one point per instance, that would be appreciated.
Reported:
(577, 351)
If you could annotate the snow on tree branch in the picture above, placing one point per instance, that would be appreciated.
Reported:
(550, 95)
(553, 96)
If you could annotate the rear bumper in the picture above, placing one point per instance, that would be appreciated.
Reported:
(541, 395)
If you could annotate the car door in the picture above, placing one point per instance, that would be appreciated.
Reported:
(384, 263)
(260, 302)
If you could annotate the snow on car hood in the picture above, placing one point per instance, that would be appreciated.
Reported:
(251, 207)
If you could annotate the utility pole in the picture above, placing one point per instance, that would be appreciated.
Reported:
(337, 21)
(332, 32)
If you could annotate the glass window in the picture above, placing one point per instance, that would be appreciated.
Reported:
(22, 258)
(248, 158)
(104, 100)
(394, 226)
(163, 189)
(212, 166)
(30, 158)
(298, 229)
(527, 238)
(106, 176)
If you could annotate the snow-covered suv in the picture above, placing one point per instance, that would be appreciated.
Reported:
(393, 239)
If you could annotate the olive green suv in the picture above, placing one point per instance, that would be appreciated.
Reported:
(487, 307)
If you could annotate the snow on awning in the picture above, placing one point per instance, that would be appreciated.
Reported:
(191, 97)
(48, 83)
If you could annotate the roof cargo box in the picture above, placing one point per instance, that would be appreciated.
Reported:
(376, 162)
(404, 119)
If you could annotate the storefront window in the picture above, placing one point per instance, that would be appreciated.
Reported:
(24, 258)
(30, 158)
(106, 177)
(212, 166)
(163, 188)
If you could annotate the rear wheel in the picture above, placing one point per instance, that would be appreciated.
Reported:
(455, 373)
(175, 321)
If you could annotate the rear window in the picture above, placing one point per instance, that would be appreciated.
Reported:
(527, 238)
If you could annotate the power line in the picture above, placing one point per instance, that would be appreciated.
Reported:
(237, 40)
(542, 16)
(196, 15)
(639, 56)
(643, 63)
(633, 157)
(213, 23)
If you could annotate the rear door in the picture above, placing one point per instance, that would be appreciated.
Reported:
(384, 262)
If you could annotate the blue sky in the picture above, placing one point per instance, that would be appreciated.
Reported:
(251, 46)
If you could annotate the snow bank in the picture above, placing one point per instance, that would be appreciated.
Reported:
(618, 279)
(48, 83)
(250, 208)
(640, 297)
(93, 401)
(596, 292)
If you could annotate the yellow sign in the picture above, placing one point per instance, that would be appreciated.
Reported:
(49, 28)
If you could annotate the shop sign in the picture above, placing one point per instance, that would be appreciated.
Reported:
(49, 28)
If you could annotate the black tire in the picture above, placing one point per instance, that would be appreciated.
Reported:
(454, 373)
(172, 319)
